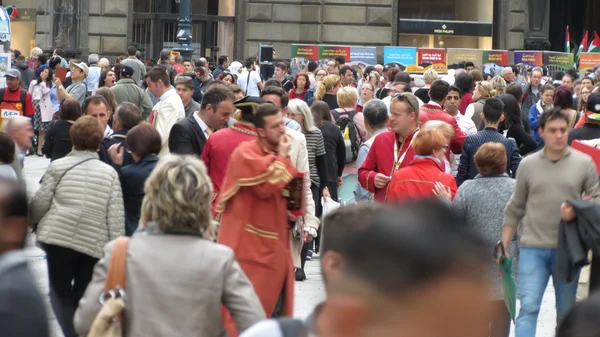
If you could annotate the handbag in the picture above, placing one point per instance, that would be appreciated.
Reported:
(109, 320)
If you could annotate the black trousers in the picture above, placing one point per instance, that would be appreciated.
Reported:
(69, 274)
(317, 195)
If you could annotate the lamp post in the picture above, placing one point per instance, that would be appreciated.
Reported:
(184, 34)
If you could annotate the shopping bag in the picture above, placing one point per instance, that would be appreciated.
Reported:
(508, 282)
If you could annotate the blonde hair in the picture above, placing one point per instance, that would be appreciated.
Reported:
(377, 79)
(486, 89)
(347, 97)
(299, 107)
(446, 129)
(430, 75)
(498, 84)
(35, 52)
(179, 194)
(104, 62)
(329, 82)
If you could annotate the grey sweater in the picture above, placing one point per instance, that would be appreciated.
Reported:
(541, 187)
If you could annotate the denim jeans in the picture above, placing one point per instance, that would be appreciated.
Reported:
(535, 267)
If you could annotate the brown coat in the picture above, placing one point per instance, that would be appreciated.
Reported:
(175, 285)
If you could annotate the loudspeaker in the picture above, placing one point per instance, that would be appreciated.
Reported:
(265, 53)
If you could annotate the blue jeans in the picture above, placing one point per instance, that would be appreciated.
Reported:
(535, 267)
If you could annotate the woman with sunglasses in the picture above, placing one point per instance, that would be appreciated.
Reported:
(418, 179)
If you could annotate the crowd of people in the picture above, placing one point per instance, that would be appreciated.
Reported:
(201, 194)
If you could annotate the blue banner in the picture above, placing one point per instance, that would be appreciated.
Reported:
(404, 56)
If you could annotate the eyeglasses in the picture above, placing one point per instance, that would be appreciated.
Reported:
(400, 96)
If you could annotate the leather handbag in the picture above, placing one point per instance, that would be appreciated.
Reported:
(109, 320)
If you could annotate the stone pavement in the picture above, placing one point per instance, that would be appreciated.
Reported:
(308, 293)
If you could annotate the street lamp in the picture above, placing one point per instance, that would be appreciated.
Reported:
(184, 34)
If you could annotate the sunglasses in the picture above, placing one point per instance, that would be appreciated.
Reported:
(400, 96)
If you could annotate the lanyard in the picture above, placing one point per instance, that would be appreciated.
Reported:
(399, 158)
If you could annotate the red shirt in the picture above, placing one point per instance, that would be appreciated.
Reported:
(10, 105)
(417, 181)
(218, 149)
(293, 94)
(432, 112)
(464, 102)
(381, 159)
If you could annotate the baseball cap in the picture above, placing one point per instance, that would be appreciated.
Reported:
(14, 73)
(593, 106)
(82, 66)
(127, 71)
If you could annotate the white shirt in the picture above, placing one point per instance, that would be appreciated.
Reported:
(252, 83)
(168, 111)
(467, 126)
(108, 132)
(202, 125)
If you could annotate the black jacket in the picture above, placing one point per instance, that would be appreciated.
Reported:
(588, 131)
(118, 137)
(133, 177)
(576, 238)
(57, 140)
(186, 137)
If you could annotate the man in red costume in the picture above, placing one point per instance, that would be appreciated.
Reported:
(434, 111)
(220, 145)
(254, 220)
(392, 149)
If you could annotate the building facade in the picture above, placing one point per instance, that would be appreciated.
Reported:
(236, 27)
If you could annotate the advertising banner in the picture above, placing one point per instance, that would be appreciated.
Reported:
(456, 56)
(529, 58)
(558, 61)
(355, 56)
(588, 60)
(404, 56)
(429, 58)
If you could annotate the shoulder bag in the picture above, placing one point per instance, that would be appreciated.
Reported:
(109, 320)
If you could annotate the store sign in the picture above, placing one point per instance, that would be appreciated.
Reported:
(438, 27)
(588, 60)
(25, 14)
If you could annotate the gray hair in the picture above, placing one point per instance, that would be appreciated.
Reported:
(104, 62)
(375, 113)
(15, 122)
(165, 54)
(93, 58)
(297, 106)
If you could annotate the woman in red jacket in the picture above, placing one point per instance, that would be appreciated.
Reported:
(417, 180)
(301, 86)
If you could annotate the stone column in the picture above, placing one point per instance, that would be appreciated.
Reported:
(538, 17)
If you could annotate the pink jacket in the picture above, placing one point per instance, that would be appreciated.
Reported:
(42, 91)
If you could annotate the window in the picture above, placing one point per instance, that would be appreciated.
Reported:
(458, 10)
(66, 24)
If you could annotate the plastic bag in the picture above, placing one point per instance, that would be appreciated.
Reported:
(329, 205)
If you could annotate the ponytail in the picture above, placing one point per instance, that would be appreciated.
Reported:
(320, 91)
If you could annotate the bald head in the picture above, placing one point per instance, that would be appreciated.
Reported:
(16, 122)
(19, 128)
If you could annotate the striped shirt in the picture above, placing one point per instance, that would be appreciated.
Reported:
(467, 126)
(315, 146)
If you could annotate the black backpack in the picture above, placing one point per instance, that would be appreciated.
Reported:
(345, 121)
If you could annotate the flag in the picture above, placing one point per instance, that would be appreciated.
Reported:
(595, 45)
(568, 42)
(582, 47)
